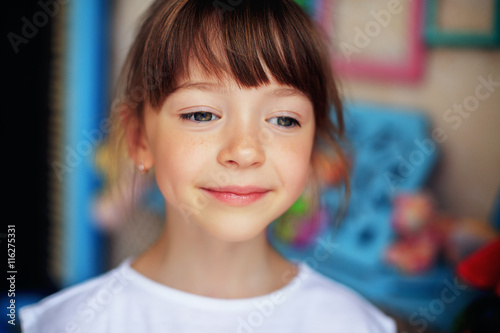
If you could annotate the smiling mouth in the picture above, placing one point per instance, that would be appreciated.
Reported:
(237, 196)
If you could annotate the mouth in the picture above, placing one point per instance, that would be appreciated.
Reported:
(237, 195)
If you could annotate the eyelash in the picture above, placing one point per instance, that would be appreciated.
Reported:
(188, 116)
(294, 121)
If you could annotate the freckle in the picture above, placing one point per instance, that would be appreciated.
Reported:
(201, 140)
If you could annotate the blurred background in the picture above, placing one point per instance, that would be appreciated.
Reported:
(421, 85)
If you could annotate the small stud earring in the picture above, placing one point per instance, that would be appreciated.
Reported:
(141, 168)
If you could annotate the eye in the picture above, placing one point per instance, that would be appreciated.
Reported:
(284, 121)
(199, 116)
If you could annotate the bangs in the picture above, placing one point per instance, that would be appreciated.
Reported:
(246, 44)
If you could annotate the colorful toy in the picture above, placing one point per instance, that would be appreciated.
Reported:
(418, 242)
(424, 234)
(481, 270)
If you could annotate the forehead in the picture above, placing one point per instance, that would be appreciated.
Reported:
(201, 79)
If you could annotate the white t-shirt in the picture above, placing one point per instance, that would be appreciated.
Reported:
(123, 301)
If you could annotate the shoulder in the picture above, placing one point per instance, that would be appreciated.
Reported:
(329, 301)
(76, 306)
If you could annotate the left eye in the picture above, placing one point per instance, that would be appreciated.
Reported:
(285, 121)
(200, 116)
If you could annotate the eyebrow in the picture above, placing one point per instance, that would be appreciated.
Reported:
(219, 88)
(203, 86)
(285, 92)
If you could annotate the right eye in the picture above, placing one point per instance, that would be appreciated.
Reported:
(288, 122)
(199, 116)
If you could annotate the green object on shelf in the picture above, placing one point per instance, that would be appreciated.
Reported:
(434, 36)
(299, 207)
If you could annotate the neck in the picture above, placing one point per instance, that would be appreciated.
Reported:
(188, 259)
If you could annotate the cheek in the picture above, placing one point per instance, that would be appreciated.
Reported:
(168, 157)
(178, 160)
(295, 164)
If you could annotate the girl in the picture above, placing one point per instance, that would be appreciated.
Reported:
(230, 103)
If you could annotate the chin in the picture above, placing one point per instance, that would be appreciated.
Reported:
(235, 230)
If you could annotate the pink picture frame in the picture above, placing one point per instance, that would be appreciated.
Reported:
(407, 69)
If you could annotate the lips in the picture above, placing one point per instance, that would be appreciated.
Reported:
(240, 190)
(237, 195)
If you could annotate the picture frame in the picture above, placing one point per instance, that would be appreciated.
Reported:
(408, 67)
(435, 35)
(308, 5)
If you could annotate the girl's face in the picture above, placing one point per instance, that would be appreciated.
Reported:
(230, 160)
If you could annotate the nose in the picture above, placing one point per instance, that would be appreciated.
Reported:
(242, 149)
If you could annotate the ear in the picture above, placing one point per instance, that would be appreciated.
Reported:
(137, 142)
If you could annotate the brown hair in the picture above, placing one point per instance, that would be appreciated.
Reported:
(242, 43)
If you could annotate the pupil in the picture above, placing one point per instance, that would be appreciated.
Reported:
(203, 116)
(283, 121)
